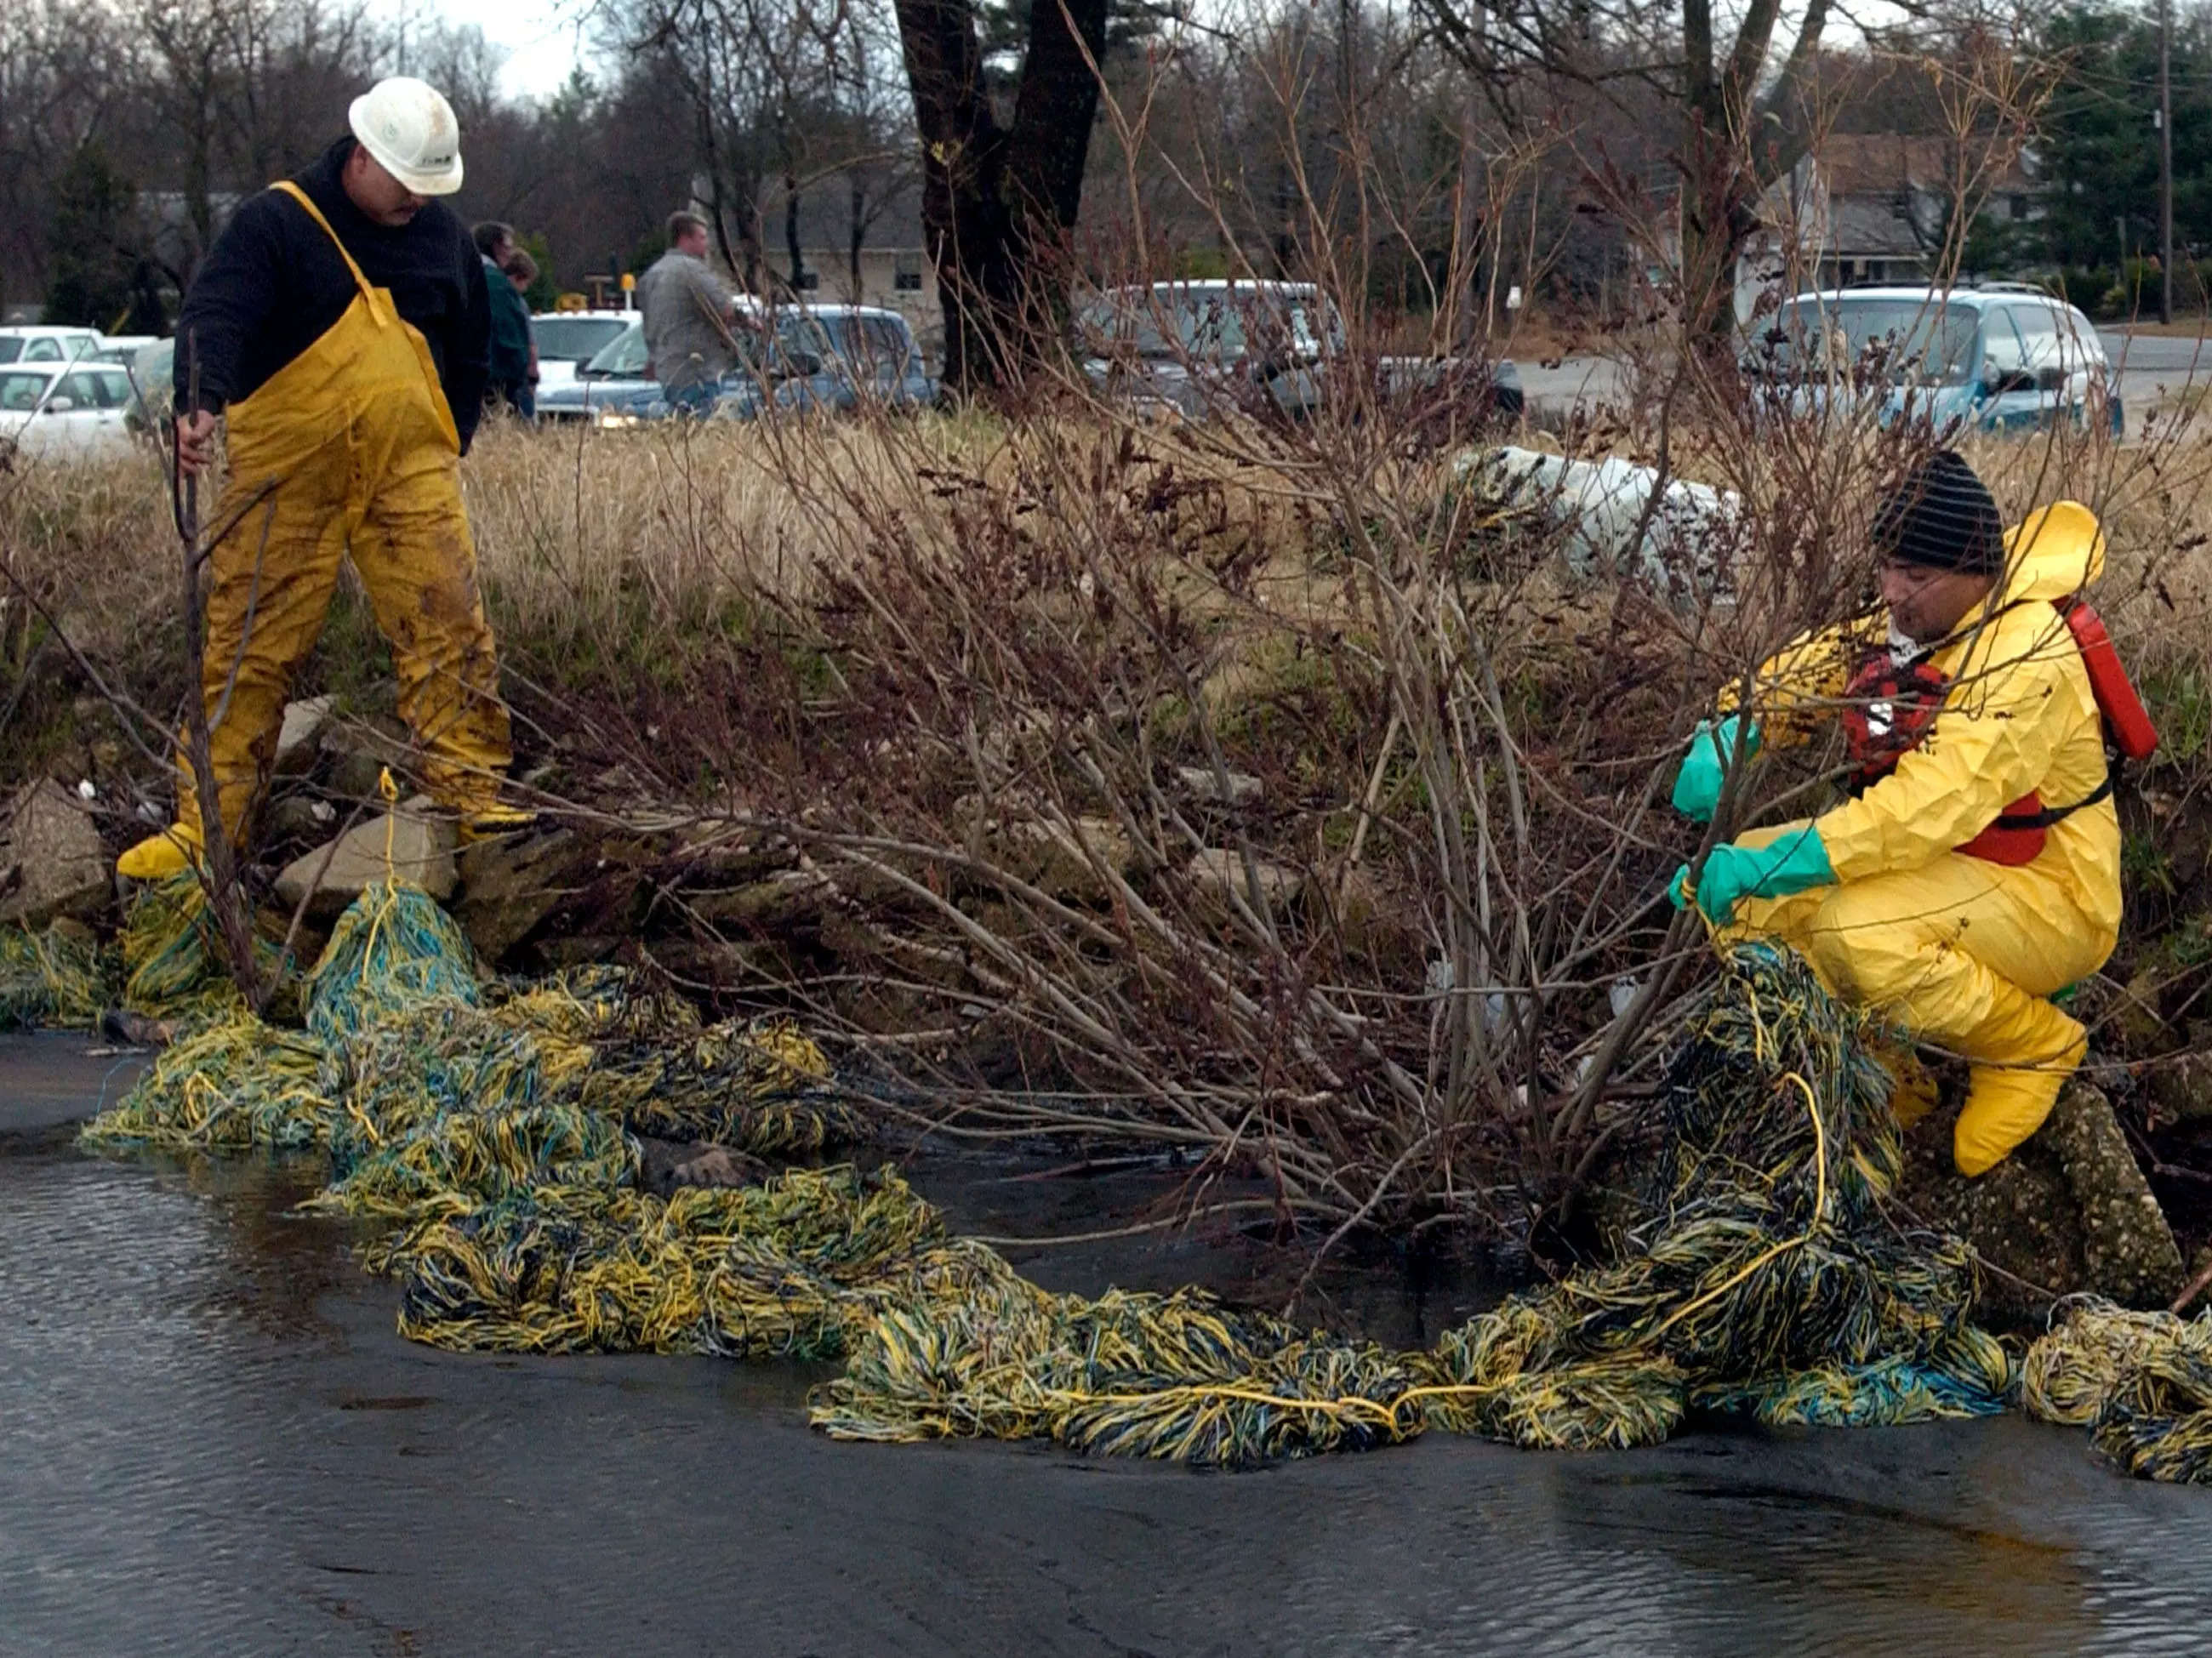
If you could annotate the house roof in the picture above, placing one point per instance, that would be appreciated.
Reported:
(1879, 194)
(1861, 163)
(1861, 227)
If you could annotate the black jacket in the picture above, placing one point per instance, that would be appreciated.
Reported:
(272, 284)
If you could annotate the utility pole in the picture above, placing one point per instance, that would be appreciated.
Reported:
(2165, 161)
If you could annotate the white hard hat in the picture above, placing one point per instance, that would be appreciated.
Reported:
(409, 127)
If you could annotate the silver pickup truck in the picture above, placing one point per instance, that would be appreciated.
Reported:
(1193, 349)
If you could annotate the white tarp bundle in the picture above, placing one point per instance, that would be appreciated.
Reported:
(1599, 507)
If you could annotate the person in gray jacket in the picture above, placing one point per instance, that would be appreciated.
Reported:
(690, 319)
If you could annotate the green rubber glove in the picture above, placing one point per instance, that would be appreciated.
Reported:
(1704, 768)
(1735, 873)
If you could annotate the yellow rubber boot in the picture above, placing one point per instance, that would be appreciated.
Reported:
(493, 822)
(2006, 1102)
(156, 858)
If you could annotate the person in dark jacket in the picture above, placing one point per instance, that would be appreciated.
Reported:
(340, 328)
(511, 357)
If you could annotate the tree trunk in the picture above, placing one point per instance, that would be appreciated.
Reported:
(997, 202)
(199, 201)
(858, 200)
(1719, 214)
(791, 234)
(1736, 141)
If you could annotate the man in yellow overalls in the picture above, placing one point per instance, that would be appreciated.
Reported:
(1977, 870)
(342, 323)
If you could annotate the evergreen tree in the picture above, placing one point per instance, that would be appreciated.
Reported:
(2097, 145)
(95, 260)
(544, 293)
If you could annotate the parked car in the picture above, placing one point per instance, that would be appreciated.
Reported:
(1187, 348)
(2000, 358)
(63, 411)
(44, 342)
(122, 349)
(836, 358)
(567, 340)
(610, 388)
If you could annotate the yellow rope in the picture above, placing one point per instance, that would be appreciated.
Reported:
(389, 791)
(1812, 1227)
(1388, 1416)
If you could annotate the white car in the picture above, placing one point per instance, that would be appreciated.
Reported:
(57, 411)
(121, 348)
(567, 340)
(39, 343)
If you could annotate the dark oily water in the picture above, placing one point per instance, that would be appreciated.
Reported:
(213, 1443)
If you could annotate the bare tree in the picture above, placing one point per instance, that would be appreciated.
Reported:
(68, 78)
(1738, 103)
(1000, 196)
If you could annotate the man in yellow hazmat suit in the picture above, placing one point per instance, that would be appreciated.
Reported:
(1977, 870)
(341, 322)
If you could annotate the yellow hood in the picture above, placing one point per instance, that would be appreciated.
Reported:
(2056, 550)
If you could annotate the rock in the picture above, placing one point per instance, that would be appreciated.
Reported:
(668, 1165)
(297, 817)
(2068, 1212)
(1202, 783)
(357, 776)
(421, 847)
(2128, 1248)
(1217, 872)
(61, 867)
(361, 751)
(1059, 861)
(300, 739)
(2181, 1087)
(509, 886)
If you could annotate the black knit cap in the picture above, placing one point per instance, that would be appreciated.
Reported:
(1943, 517)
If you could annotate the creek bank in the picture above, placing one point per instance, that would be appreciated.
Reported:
(54, 864)
(2068, 1212)
(731, 916)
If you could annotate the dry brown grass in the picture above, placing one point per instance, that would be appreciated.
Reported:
(580, 530)
(966, 668)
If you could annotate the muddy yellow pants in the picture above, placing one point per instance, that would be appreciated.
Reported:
(349, 450)
(1963, 954)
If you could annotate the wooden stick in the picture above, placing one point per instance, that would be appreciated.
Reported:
(2194, 1288)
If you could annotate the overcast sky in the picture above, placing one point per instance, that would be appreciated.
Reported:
(540, 47)
(539, 37)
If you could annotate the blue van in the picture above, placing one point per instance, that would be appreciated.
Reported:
(2004, 358)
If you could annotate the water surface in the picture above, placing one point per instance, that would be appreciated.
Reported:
(211, 1441)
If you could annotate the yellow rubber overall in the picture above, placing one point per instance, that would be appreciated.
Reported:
(1963, 954)
(357, 439)
(1958, 951)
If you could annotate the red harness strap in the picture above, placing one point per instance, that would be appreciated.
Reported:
(1889, 711)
